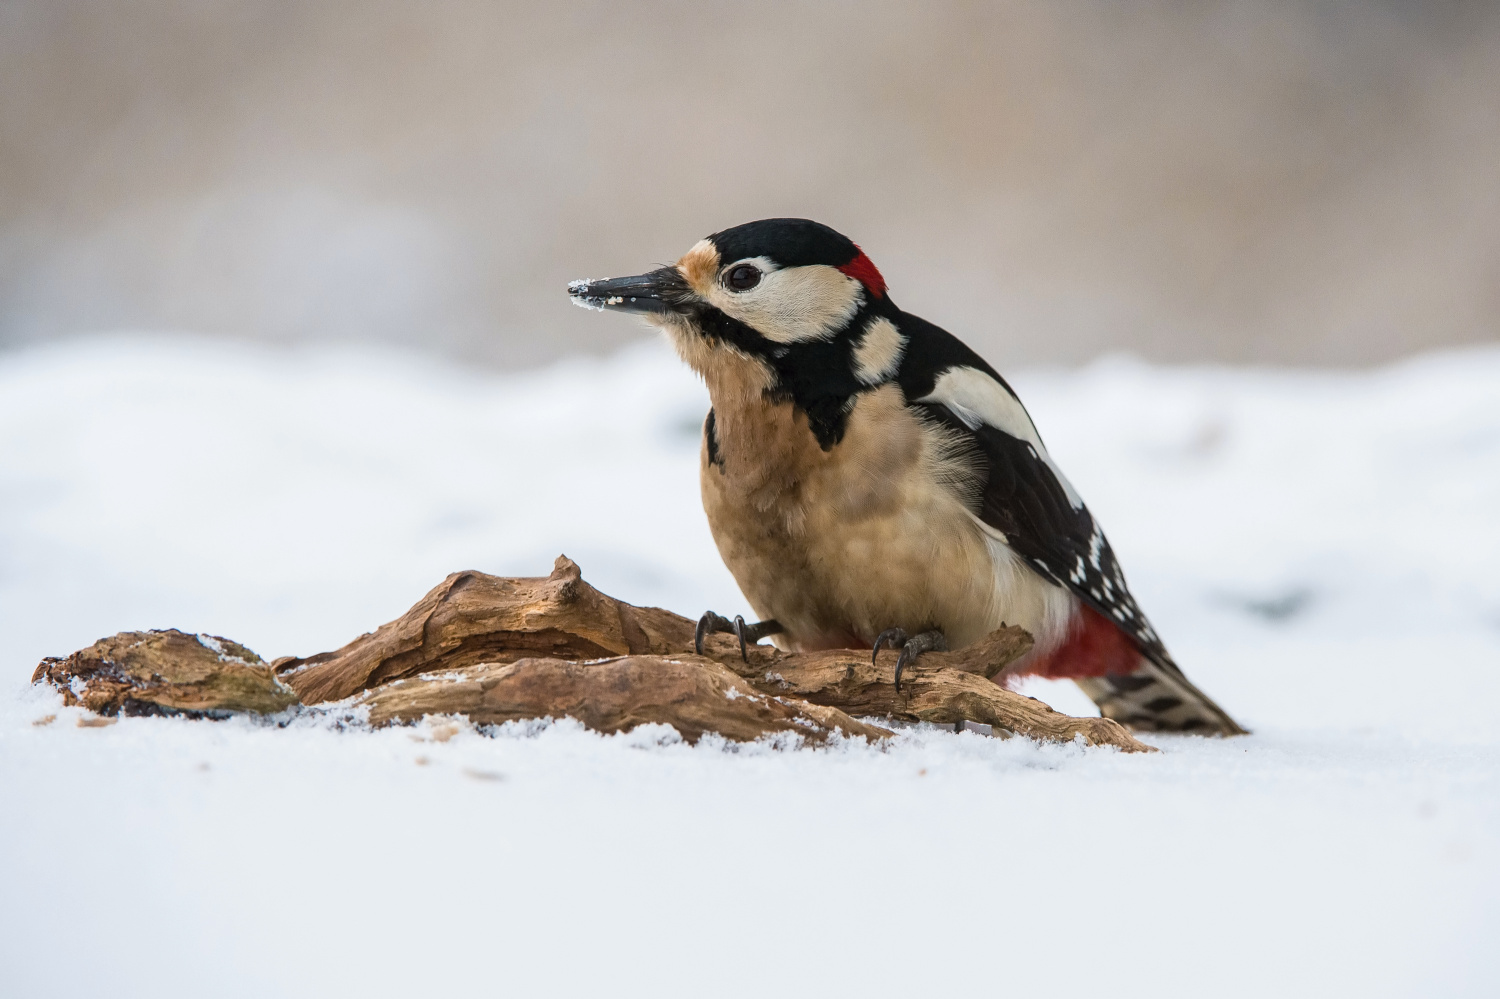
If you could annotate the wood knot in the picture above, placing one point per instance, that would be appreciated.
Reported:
(566, 576)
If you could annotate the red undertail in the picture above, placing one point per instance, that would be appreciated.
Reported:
(1094, 647)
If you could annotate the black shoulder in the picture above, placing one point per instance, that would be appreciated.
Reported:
(931, 350)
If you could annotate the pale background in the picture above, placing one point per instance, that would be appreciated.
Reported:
(1247, 181)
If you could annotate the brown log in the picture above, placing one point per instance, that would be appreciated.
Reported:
(471, 618)
(166, 672)
(986, 657)
(940, 687)
(499, 649)
(694, 695)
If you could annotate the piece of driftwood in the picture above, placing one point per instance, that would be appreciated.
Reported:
(941, 687)
(166, 672)
(694, 695)
(472, 618)
(500, 649)
(984, 658)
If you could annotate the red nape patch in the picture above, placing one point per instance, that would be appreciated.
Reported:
(862, 269)
(1094, 647)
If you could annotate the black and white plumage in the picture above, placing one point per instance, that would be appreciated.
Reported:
(865, 470)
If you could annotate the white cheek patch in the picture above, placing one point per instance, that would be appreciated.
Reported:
(975, 398)
(793, 304)
(878, 353)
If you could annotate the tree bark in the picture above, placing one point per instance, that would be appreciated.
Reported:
(945, 688)
(166, 672)
(472, 619)
(498, 649)
(692, 694)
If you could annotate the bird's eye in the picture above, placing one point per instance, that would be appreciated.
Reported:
(743, 278)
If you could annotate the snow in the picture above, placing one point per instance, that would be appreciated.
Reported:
(1319, 550)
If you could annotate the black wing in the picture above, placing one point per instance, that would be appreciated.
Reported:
(1021, 494)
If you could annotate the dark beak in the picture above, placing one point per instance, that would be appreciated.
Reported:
(661, 291)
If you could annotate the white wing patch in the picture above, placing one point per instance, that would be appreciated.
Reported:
(878, 353)
(975, 398)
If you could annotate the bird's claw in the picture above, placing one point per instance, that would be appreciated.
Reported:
(748, 634)
(911, 647)
(895, 637)
(709, 622)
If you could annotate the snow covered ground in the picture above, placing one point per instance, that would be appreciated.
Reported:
(1320, 551)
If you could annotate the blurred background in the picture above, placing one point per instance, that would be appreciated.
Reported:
(1311, 182)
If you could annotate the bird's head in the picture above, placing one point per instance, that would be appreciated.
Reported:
(792, 294)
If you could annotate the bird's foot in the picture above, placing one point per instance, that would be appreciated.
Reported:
(748, 634)
(911, 647)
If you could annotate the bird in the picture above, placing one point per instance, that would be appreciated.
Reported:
(871, 481)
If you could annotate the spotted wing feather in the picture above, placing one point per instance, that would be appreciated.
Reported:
(1024, 497)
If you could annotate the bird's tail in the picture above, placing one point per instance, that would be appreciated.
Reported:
(1158, 698)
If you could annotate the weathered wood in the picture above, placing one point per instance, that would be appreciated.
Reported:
(986, 657)
(166, 672)
(471, 618)
(941, 687)
(694, 695)
(499, 649)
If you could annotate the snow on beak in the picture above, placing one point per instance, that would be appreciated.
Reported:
(661, 291)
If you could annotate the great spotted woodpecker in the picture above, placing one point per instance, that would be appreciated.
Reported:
(870, 480)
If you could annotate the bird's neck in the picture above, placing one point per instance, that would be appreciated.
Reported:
(763, 439)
